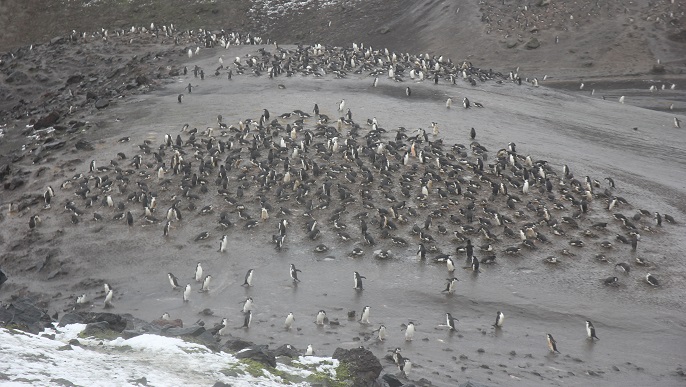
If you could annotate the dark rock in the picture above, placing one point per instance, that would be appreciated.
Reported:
(174, 73)
(142, 80)
(130, 333)
(658, 69)
(3, 277)
(116, 322)
(17, 77)
(533, 44)
(142, 381)
(74, 342)
(221, 384)
(74, 79)
(512, 43)
(62, 382)
(237, 345)
(52, 145)
(96, 329)
(72, 318)
(84, 145)
(363, 365)
(391, 380)
(24, 315)
(287, 350)
(90, 95)
(57, 40)
(192, 331)
(102, 103)
(259, 353)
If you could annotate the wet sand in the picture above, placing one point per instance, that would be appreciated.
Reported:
(641, 328)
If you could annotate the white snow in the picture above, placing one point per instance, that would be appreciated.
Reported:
(27, 359)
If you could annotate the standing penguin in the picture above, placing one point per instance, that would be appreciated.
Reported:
(248, 278)
(408, 91)
(409, 331)
(289, 321)
(247, 319)
(552, 344)
(450, 321)
(364, 318)
(450, 287)
(590, 331)
(294, 273)
(198, 272)
(465, 103)
(223, 243)
(187, 293)
(358, 280)
(206, 284)
(499, 319)
(472, 133)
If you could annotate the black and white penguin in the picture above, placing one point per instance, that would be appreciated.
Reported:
(206, 284)
(475, 264)
(179, 98)
(165, 230)
(552, 344)
(421, 251)
(309, 351)
(198, 272)
(294, 273)
(408, 91)
(650, 279)
(590, 331)
(108, 298)
(472, 133)
(187, 293)
(465, 103)
(364, 316)
(658, 219)
(499, 319)
(611, 281)
(450, 287)
(34, 221)
(450, 321)
(409, 331)
(81, 299)
(248, 278)
(223, 243)
(623, 266)
(173, 281)
(290, 319)
(321, 318)
(247, 305)
(381, 332)
(129, 218)
(224, 330)
(357, 279)
(247, 319)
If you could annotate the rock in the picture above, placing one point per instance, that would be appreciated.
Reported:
(62, 382)
(192, 331)
(47, 120)
(102, 103)
(362, 364)
(287, 350)
(74, 79)
(237, 345)
(90, 95)
(391, 380)
(17, 77)
(658, 69)
(72, 318)
(383, 30)
(57, 40)
(142, 80)
(84, 145)
(74, 342)
(260, 353)
(512, 43)
(543, 3)
(533, 44)
(116, 322)
(221, 384)
(3, 277)
(23, 314)
(96, 329)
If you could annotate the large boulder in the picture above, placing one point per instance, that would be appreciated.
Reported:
(47, 120)
(364, 367)
(23, 314)
(533, 43)
(288, 351)
(116, 322)
(259, 353)
(236, 345)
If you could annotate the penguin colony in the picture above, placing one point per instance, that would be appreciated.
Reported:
(298, 173)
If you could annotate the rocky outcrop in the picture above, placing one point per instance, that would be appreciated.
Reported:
(23, 314)
(364, 367)
(259, 353)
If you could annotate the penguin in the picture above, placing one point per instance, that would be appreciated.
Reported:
(309, 351)
(224, 330)
(677, 122)
(47, 197)
(179, 98)
(450, 264)
(364, 316)
(376, 82)
(129, 218)
(341, 106)
(650, 279)
(173, 281)
(499, 319)
(289, 321)
(450, 322)
(472, 133)
(81, 299)
(198, 272)
(658, 219)
(223, 243)
(450, 287)
(475, 264)
(248, 278)
(247, 304)
(34, 221)
(165, 231)
(381, 332)
(408, 91)
(465, 103)
(357, 278)
(449, 103)
(247, 319)
(623, 266)
(187, 293)
(91, 167)
(294, 273)
(552, 344)
(409, 331)
(108, 298)
(590, 331)
(165, 316)
(611, 281)
(321, 318)
(206, 284)
(421, 251)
